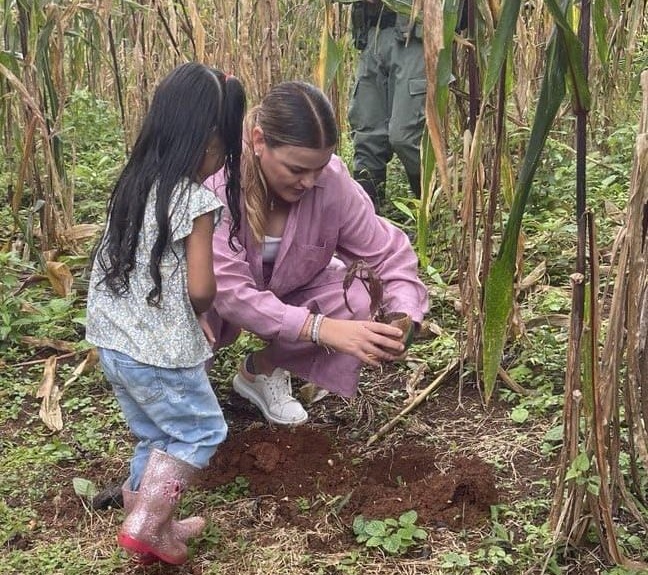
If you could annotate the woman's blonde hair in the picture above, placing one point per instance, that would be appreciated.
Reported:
(291, 114)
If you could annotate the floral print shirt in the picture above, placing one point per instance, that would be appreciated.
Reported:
(168, 335)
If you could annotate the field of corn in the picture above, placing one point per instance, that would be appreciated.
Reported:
(530, 234)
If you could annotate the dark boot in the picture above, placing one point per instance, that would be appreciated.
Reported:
(374, 184)
(110, 496)
(415, 184)
(149, 528)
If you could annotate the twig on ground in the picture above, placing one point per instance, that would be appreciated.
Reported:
(450, 369)
(511, 383)
(414, 380)
(44, 359)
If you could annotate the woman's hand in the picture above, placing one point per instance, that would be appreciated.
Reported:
(369, 341)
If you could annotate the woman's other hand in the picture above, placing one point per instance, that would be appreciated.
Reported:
(369, 341)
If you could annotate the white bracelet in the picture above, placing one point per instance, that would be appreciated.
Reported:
(313, 327)
(317, 323)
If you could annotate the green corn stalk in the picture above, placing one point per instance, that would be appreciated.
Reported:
(563, 60)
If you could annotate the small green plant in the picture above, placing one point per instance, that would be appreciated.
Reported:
(392, 536)
(579, 472)
(303, 504)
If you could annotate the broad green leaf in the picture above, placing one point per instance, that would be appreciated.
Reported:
(519, 414)
(359, 524)
(391, 521)
(498, 302)
(554, 434)
(404, 209)
(582, 462)
(408, 518)
(84, 487)
(498, 294)
(573, 50)
(501, 43)
(374, 542)
(406, 533)
(392, 544)
(600, 28)
(375, 528)
(453, 559)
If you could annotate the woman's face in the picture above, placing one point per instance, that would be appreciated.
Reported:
(290, 171)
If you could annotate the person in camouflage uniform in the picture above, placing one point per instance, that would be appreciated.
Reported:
(387, 110)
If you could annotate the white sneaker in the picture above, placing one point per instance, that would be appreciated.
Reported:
(272, 394)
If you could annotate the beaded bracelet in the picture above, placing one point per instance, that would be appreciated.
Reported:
(319, 318)
(315, 326)
(312, 327)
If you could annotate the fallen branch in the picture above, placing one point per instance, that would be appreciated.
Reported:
(450, 369)
(511, 383)
(44, 359)
(414, 380)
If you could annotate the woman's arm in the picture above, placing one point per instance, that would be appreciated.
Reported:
(239, 300)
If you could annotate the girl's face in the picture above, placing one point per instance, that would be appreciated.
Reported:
(290, 171)
(213, 159)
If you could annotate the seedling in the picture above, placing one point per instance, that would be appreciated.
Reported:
(392, 536)
(361, 271)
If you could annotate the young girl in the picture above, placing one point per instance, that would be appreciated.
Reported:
(151, 277)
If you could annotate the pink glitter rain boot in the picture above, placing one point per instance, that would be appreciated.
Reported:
(184, 529)
(149, 527)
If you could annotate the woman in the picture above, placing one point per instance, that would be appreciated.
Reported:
(301, 222)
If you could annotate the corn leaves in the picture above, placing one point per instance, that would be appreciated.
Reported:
(331, 53)
(563, 60)
(431, 143)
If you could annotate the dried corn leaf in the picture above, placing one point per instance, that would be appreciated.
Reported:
(43, 342)
(60, 277)
(80, 232)
(91, 359)
(50, 410)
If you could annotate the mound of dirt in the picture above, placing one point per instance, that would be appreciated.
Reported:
(306, 462)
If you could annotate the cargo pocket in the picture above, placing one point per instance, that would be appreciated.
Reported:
(417, 86)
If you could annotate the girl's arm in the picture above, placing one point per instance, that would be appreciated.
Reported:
(201, 283)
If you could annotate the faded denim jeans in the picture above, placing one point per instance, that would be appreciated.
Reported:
(174, 410)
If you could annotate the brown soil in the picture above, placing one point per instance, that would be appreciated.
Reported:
(307, 463)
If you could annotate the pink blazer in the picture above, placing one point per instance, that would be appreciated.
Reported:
(335, 217)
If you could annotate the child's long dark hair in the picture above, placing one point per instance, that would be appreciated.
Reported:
(190, 106)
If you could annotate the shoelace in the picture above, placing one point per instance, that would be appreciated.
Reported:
(280, 388)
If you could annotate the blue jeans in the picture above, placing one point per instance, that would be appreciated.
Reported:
(174, 410)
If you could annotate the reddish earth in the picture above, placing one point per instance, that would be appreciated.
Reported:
(307, 462)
